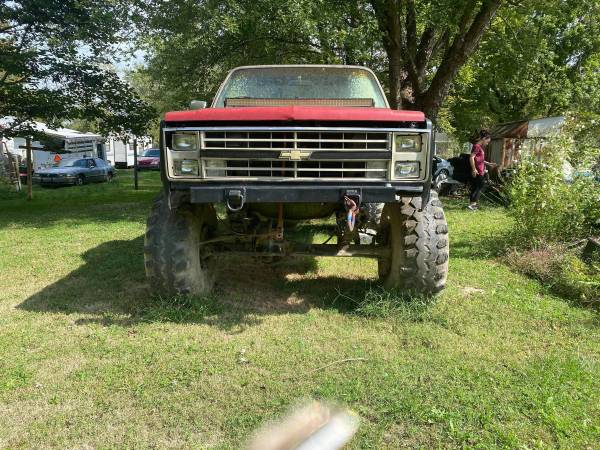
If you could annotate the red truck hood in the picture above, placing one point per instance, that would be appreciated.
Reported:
(295, 113)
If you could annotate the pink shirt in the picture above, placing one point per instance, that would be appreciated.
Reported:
(479, 158)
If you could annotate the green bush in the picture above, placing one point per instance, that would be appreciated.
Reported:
(546, 205)
(550, 210)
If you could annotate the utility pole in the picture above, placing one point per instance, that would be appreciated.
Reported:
(135, 164)
(28, 147)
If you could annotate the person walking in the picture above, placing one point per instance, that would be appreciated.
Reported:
(477, 163)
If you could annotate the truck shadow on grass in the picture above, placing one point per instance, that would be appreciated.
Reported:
(110, 289)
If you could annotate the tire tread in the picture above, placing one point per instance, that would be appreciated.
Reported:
(419, 260)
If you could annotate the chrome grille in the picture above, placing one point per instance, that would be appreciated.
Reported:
(296, 154)
(298, 169)
(301, 140)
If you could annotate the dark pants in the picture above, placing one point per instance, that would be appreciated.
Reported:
(477, 186)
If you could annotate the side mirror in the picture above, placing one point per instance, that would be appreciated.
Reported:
(197, 104)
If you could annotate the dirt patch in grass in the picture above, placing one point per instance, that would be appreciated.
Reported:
(562, 270)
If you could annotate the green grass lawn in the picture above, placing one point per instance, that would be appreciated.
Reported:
(89, 359)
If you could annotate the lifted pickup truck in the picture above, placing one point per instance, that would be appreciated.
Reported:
(283, 144)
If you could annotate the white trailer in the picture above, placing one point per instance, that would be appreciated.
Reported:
(119, 152)
(69, 144)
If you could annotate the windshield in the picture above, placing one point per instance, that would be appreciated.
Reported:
(302, 83)
(73, 163)
(151, 152)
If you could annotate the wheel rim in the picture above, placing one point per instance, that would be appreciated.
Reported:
(440, 179)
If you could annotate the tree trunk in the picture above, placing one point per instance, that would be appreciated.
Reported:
(408, 57)
(395, 77)
(455, 57)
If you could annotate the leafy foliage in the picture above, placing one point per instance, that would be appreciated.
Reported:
(545, 204)
(191, 45)
(427, 43)
(53, 66)
(539, 59)
(417, 48)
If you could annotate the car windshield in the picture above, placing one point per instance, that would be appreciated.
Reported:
(302, 83)
(73, 163)
(151, 152)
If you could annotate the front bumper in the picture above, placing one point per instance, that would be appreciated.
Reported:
(44, 181)
(148, 166)
(294, 193)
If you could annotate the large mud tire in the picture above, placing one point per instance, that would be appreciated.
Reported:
(173, 258)
(418, 241)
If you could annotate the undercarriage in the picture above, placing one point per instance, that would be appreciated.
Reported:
(408, 238)
(261, 230)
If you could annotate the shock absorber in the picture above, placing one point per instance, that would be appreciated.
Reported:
(279, 228)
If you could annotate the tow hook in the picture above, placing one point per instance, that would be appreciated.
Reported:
(347, 230)
(235, 199)
(351, 212)
(352, 205)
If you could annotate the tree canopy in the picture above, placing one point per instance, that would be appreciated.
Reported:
(419, 46)
(54, 66)
(538, 60)
(467, 63)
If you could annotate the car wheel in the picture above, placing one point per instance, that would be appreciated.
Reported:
(80, 180)
(440, 179)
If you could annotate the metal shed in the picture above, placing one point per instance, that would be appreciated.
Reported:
(512, 140)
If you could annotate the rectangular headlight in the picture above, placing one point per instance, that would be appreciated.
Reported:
(186, 167)
(408, 143)
(405, 169)
(185, 142)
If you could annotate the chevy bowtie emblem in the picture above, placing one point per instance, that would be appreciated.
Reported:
(294, 155)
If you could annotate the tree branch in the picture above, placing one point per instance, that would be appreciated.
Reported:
(426, 46)
(394, 24)
(467, 15)
(4, 76)
(411, 28)
(7, 28)
(465, 43)
(410, 47)
(388, 19)
(441, 44)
